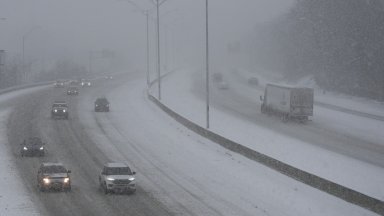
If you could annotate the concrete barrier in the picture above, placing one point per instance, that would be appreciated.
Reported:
(312, 180)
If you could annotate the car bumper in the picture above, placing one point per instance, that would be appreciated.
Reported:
(60, 114)
(122, 188)
(57, 186)
(32, 152)
(102, 109)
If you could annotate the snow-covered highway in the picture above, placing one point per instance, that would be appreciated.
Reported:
(179, 172)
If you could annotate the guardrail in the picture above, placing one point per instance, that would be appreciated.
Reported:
(19, 87)
(312, 180)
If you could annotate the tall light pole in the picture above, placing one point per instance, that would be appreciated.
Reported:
(158, 49)
(147, 16)
(146, 13)
(23, 57)
(207, 60)
(158, 4)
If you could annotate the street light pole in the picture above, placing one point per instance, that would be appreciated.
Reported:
(158, 49)
(147, 16)
(207, 60)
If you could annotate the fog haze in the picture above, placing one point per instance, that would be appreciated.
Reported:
(73, 28)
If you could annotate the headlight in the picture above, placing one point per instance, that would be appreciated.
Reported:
(55, 110)
(82, 83)
(46, 180)
(64, 110)
(66, 180)
(131, 179)
(25, 148)
(41, 148)
(110, 179)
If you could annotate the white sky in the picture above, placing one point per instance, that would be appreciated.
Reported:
(74, 27)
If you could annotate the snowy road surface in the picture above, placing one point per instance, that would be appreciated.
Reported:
(179, 173)
(335, 145)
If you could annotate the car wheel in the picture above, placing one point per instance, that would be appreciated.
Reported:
(68, 189)
(105, 189)
(41, 188)
(132, 191)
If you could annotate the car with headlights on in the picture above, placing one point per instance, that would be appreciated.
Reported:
(59, 84)
(59, 110)
(117, 177)
(32, 146)
(53, 176)
(73, 90)
(85, 83)
(101, 105)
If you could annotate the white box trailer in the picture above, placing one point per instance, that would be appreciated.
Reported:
(288, 102)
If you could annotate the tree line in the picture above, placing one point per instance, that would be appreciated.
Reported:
(339, 42)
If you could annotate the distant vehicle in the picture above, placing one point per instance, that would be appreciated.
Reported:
(217, 77)
(117, 178)
(74, 83)
(223, 85)
(109, 77)
(53, 176)
(101, 105)
(32, 146)
(59, 110)
(85, 83)
(73, 90)
(253, 81)
(288, 102)
(59, 84)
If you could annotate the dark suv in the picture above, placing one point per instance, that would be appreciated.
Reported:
(53, 176)
(59, 110)
(101, 105)
(32, 147)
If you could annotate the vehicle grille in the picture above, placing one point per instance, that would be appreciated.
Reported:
(121, 181)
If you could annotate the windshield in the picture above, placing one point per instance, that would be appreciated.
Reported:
(118, 171)
(60, 105)
(54, 169)
(34, 141)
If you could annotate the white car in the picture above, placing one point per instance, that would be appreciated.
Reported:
(117, 178)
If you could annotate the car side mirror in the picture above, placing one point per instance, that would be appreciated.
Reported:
(69, 171)
(134, 173)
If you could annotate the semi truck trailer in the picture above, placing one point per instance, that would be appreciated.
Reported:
(289, 103)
